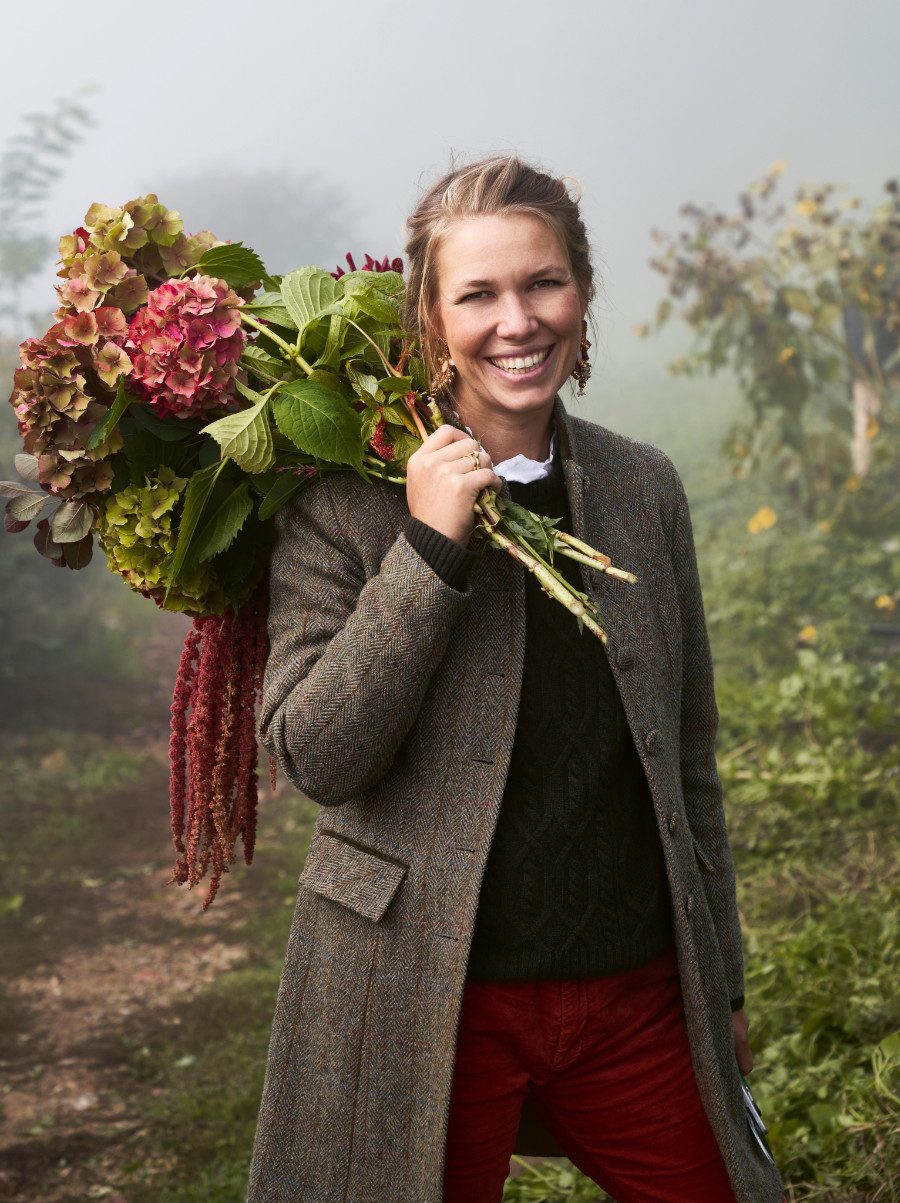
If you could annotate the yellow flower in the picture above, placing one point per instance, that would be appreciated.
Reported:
(763, 519)
(806, 207)
(872, 427)
(824, 526)
(778, 168)
(884, 601)
(878, 271)
(863, 295)
(852, 483)
(785, 354)
(808, 634)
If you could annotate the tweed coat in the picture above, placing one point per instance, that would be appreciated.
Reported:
(390, 699)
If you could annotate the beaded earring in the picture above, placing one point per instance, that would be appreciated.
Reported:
(582, 370)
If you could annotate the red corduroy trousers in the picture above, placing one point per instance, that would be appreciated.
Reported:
(608, 1066)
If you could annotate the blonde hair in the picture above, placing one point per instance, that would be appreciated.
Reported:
(498, 184)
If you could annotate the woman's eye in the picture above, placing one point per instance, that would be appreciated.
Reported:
(547, 281)
(472, 295)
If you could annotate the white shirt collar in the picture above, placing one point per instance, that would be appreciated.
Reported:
(521, 469)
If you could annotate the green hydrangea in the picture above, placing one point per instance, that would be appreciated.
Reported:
(136, 533)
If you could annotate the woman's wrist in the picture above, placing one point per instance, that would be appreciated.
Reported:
(451, 560)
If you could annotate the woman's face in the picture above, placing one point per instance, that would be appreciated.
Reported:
(509, 311)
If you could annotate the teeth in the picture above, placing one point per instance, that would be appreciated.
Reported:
(522, 363)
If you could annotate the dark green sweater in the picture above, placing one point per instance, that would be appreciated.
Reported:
(575, 884)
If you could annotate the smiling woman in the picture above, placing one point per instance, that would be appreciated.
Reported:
(517, 927)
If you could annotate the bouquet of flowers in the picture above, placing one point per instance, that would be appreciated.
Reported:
(181, 397)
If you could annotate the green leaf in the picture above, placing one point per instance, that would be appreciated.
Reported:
(381, 308)
(331, 353)
(224, 523)
(169, 431)
(395, 385)
(283, 489)
(355, 283)
(112, 417)
(264, 366)
(364, 384)
(245, 436)
(236, 264)
(320, 422)
(71, 522)
(307, 294)
(196, 495)
(269, 307)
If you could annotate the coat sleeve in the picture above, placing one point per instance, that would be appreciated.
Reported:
(350, 658)
(701, 785)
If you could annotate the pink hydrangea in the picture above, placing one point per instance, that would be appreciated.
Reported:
(185, 345)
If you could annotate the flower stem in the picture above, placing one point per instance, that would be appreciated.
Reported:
(548, 579)
(290, 353)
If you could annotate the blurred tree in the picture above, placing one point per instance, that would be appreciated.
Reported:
(289, 220)
(29, 166)
(809, 320)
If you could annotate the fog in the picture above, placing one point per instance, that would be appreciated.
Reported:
(310, 130)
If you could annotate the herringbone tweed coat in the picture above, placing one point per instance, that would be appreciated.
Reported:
(390, 699)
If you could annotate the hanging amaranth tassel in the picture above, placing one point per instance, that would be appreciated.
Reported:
(212, 748)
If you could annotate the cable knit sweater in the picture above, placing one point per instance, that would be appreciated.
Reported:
(575, 883)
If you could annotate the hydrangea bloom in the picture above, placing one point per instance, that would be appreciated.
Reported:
(55, 411)
(136, 533)
(185, 346)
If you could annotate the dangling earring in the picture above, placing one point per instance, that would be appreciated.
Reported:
(582, 370)
(446, 368)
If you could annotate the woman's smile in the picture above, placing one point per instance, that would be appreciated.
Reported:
(521, 365)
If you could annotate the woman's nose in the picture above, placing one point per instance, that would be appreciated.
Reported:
(516, 320)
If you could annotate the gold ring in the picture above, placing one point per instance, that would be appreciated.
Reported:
(475, 457)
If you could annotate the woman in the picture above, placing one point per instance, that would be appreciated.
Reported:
(516, 926)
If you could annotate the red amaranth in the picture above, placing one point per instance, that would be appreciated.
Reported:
(370, 265)
(212, 748)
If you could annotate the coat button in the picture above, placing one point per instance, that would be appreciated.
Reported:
(688, 904)
(624, 657)
(673, 822)
(653, 741)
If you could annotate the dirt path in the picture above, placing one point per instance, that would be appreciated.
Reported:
(109, 954)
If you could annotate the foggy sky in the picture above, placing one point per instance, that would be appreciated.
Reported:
(647, 104)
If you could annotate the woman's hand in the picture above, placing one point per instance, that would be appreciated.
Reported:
(442, 483)
(741, 1024)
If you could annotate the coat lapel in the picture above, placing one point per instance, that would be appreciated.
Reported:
(603, 499)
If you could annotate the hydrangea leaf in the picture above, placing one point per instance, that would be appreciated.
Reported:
(264, 367)
(308, 294)
(320, 421)
(112, 417)
(169, 431)
(281, 491)
(196, 496)
(270, 307)
(234, 263)
(71, 522)
(245, 436)
(223, 524)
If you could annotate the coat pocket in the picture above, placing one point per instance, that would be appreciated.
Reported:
(702, 856)
(360, 878)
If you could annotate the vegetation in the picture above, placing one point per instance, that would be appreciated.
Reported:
(803, 614)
